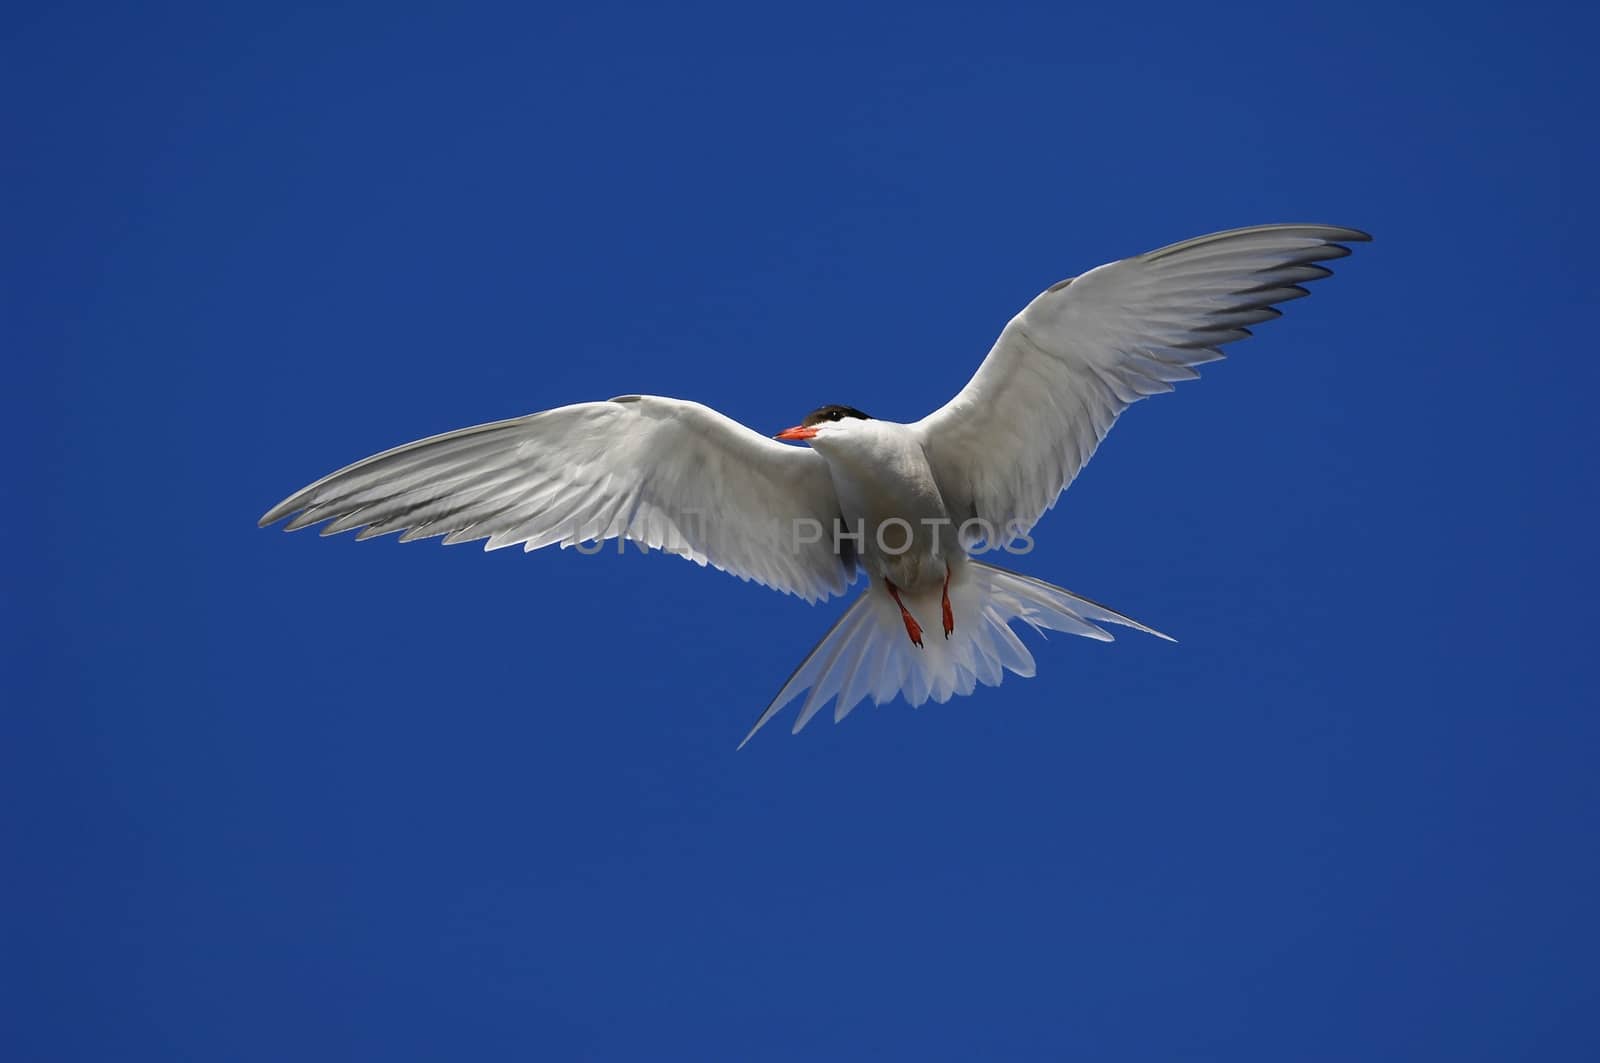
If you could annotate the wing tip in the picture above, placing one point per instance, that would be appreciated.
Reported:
(283, 509)
(1329, 235)
(1324, 231)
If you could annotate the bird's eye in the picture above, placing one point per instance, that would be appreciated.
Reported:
(834, 416)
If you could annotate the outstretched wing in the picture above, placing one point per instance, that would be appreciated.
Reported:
(664, 473)
(1088, 348)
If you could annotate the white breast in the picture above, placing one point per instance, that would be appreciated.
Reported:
(889, 499)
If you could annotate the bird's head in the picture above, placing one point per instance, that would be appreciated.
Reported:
(824, 422)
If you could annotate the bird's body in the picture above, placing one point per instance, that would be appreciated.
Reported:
(890, 503)
(912, 506)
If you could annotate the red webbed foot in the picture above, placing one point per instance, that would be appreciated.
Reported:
(913, 628)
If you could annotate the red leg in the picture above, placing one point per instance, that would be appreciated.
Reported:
(944, 602)
(913, 628)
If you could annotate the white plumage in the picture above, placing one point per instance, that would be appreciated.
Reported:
(907, 504)
(664, 473)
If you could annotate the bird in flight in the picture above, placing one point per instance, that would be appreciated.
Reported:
(913, 507)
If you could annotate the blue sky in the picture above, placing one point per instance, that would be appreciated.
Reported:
(271, 797)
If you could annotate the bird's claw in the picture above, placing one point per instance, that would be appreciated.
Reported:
(913, 628)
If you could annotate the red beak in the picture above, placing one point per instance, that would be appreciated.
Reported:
(796, 434)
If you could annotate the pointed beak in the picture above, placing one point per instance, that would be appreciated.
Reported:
(796, 434)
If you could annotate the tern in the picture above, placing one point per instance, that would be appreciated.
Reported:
(913, 507)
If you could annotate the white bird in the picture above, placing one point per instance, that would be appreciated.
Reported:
(911, 505)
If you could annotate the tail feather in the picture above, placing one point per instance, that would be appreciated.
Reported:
(866, 652)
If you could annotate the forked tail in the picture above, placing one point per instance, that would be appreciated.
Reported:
(867, 653)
